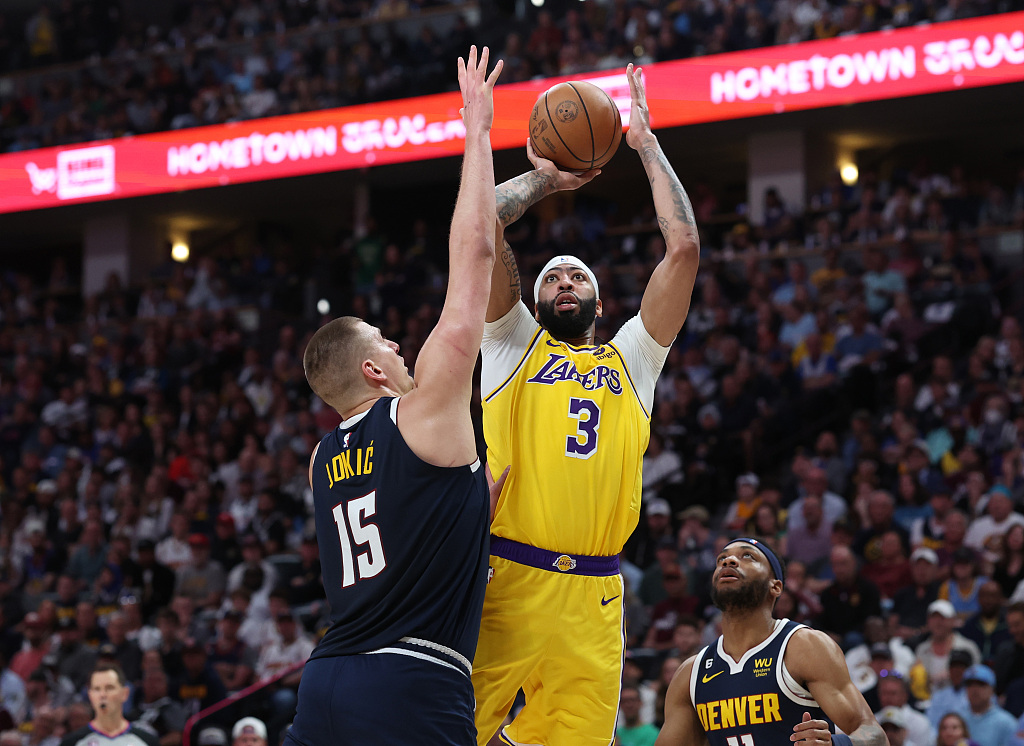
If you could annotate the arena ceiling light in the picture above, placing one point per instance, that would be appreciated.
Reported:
(180, 251)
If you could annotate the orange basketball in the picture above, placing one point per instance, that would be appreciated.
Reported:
(576, 125)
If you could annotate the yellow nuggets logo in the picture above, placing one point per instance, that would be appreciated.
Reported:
(754, 709)
(564, 563)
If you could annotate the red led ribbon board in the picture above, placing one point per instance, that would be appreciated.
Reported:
(906, 62)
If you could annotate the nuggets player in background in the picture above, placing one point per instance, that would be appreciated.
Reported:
(572, 418)
(400, 500)
(765, 681)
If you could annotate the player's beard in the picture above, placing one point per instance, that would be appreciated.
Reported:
(741, 596)
(568, 325)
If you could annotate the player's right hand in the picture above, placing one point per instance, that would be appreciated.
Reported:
(477, 89)
(564, 181)
(811, 732)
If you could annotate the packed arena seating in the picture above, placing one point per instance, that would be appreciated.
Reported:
(100, 70)
(849, 385)
(850, 375)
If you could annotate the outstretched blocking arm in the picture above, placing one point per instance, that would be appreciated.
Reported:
(512, 199)
(667, 298)
(682, 726)
(816, 662)
(439, 429)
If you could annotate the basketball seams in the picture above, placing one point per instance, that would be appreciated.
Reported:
(554, 127)
(614, 140)
(590, 125)
(569, 134)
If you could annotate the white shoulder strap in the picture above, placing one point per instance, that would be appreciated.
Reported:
(697, 663)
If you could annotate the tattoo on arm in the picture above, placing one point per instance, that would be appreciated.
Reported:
(869, 736)
(516, 195)
(514, 283)
(657, 164)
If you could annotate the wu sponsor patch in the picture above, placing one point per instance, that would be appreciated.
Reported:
(762, 667)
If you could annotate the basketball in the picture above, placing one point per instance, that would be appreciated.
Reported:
(576, 125)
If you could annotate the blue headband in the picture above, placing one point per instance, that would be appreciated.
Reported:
(767, 552)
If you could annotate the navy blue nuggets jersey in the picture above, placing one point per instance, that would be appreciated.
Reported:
(403, 544)
(753, 701)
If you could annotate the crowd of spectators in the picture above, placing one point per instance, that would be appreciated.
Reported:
(881, 380)
(860, 405)
(230, 60)
(600, 36)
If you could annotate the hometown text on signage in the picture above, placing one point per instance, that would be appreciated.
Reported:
(982, 51)
(874, 66)
(252, 150)
(356, 137)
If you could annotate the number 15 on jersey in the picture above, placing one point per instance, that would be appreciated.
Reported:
(370, 562)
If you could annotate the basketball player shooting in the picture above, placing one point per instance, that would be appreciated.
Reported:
(766, 681)
(572, 418)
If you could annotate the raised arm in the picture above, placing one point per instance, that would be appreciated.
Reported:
(513, 198)
(817, 663)
(434, 418)
(667, 298)
(682, 727)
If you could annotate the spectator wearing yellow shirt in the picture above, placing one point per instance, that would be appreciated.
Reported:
(826, 278)
(746, 503)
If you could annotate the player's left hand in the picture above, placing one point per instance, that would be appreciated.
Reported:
(495, 486)
(811, 731)
(639, 114)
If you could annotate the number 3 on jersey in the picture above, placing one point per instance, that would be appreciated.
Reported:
(588, 417)
(370, 562)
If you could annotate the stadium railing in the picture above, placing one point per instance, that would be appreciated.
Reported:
(253, 700)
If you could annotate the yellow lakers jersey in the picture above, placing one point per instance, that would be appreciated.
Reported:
(574, 426)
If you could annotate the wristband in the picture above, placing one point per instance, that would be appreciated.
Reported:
(841, 739)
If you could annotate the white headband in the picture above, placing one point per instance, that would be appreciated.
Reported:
(566, 259)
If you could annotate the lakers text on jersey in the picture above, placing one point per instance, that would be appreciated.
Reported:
(572, 421)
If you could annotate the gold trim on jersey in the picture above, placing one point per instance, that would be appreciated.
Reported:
(625, 367)
(583, 348)
(580, 348)
(522, 361)
(550, 377)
